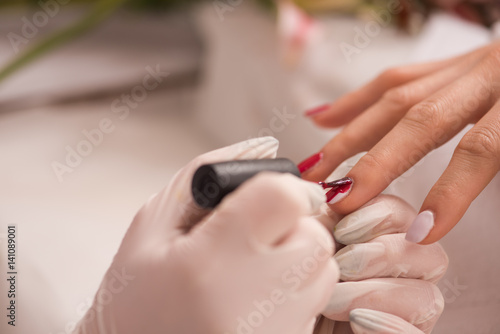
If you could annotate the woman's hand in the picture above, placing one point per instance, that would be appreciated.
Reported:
(406, 113)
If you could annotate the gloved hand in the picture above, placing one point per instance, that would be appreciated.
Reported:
(388, 282)
(259, 263)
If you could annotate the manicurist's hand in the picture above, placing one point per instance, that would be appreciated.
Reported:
(403, 115)
(258, 263)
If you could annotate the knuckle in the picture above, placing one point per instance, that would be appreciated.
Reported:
(399, 96)
(428, 115)
(372, 162)
(444, 191)
(480, 142)
(394, 75)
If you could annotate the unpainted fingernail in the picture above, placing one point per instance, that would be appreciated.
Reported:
(420, 227)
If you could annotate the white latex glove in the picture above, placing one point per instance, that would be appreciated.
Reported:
(388, 282)
(259, 263)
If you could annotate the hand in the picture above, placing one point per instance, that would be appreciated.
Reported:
(406, 113)
(258, 263)
(388, 284)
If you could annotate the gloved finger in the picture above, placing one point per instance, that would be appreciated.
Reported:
(392, 256)
(173, 209)
(312, 248)
(366, 321)
(329, 220)
(264, 231)
(474, 164)
(267, 207)
(353, 104)
(416, 301)
(384, 214)
(314, 291)
(306, 273)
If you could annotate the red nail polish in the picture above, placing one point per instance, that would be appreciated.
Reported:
(310, 162)
(317, 110)
(338, 189)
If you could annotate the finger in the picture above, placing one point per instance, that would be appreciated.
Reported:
(474, 164)
(385, 214)
(313, 248)
(302, 269)
(351, 105)
(327, 217)
(365, 321)
(426, 126)
(265, 209)
(317, 290)
(392, 256)
(370, 127)
(416, 301)
(173, 209)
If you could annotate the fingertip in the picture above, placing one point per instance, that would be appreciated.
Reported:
(270, 204)
(368, 182)
(437, 232)
(421, 227)
(313, 112)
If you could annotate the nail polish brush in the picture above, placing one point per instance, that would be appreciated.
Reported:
(212, 182)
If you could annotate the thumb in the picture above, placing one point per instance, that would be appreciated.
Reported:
(266, 208)
(173, 210)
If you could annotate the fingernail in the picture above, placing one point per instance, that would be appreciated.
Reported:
(420, 227)
(338, 193)
(371, 321)
(317, 110)
(310, 162)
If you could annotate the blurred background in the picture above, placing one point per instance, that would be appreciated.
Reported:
(101, 102)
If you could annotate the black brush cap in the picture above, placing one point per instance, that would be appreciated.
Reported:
(212, 182)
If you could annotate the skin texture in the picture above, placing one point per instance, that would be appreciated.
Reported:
(403, 115)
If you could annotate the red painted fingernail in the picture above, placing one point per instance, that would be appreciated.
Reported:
(310, 162)
(338, 189)
(317, 110)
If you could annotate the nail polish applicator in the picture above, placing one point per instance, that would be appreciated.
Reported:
(212, 182)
